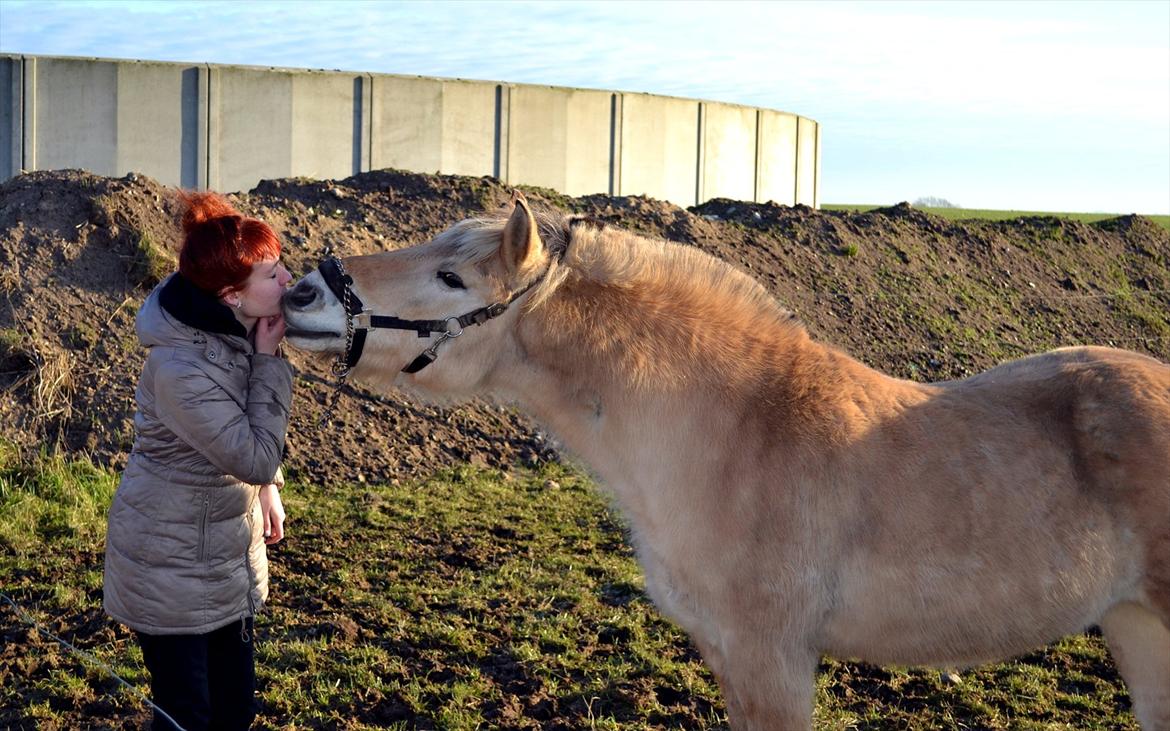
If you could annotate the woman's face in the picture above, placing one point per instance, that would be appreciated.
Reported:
(260, 295)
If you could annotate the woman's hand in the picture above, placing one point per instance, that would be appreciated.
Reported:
(273, 511)
(269, 333)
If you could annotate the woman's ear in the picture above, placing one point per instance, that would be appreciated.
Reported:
(231, 298)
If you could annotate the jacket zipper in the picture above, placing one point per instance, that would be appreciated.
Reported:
(244, 635)
(203, 528)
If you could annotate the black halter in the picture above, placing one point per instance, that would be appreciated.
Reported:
(359, 321)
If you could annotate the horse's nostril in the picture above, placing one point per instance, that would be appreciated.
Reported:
(302, 295)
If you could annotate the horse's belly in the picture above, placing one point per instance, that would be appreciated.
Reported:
(962, 614)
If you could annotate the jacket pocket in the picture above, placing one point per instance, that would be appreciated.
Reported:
(204, 515)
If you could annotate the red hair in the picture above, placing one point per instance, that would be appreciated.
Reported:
(221, 245)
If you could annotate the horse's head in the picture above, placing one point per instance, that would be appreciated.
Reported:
(449, 301)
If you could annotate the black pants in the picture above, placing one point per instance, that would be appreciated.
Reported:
(202, 681)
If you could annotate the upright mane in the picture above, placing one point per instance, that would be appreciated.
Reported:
(659, 313)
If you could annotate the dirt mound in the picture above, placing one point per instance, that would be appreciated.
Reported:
(907, 292)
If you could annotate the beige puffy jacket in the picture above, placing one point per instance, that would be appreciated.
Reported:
(184, 550)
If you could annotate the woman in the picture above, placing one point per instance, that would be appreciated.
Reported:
(185, 558)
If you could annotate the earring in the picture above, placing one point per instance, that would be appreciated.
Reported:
(239, 304)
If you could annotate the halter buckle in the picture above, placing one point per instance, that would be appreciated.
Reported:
(453, 331)
(362, 319)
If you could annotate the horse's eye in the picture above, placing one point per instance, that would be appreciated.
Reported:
(452, 280)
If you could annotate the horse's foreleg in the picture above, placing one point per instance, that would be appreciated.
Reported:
(768, 687)
(716, 663)
(1140, 645)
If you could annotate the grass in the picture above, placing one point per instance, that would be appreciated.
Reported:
(152, 262)
(469, 600)
(963, 214)
(11, 340)
(149, 261)
(51, 499)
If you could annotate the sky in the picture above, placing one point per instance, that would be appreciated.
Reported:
(1050, 106)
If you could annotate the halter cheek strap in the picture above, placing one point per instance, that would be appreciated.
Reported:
(359, 320)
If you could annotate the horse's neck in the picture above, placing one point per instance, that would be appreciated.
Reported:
(639, 383)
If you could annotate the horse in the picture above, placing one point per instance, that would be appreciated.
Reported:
(785, 501)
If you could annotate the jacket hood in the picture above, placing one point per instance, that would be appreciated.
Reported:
(179, 313)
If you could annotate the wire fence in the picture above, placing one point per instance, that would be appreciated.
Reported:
(85, 657)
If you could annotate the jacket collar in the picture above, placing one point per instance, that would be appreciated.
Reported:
(192, 306)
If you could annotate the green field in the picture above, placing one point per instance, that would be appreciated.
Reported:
(967, 214)
(470, 600)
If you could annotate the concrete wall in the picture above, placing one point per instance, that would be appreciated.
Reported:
(228, 127)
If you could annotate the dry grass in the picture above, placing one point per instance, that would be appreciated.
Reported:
(53, 387)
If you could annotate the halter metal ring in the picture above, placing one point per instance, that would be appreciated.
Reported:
(453, 332)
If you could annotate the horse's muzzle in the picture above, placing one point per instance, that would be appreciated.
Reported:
(301, 296)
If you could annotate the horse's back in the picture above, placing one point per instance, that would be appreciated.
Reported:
(1111, 408)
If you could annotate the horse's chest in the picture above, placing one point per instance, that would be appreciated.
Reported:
(675, 593)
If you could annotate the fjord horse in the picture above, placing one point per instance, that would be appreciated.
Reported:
(786, 501)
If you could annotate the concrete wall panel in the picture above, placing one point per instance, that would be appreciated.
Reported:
(326, 138)
(729, 152)
(807, 158)
(776, 177)
(279, 123)
(109, 117)
(660, 148)
(471, 115)
(157, 127)
(407, 124)
(560, 138)
(11, 113)
(73, 106)
(250, 126)
(435, 125)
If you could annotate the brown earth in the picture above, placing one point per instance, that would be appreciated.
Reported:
(906, 292)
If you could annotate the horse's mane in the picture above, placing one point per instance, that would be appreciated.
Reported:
(658, 309)
(616, 257)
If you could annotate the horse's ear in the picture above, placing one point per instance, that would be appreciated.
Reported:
(521, 247)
